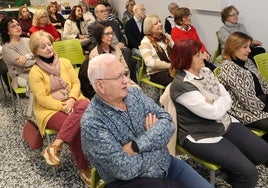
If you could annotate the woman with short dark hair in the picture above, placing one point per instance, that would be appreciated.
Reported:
(16, 52)
(229, 17)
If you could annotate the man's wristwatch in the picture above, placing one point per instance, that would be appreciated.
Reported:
(135, 146)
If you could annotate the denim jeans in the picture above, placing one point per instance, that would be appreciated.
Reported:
(182, 172)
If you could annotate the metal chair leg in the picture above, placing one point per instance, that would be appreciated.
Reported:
(212, 177)
(2, 85)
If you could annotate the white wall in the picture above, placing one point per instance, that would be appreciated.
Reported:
(252, 14)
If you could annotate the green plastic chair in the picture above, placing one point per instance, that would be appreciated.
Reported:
(70, 49)
(143, 78)
(216, 71)
(96, 181)
(261, 61)
(17, 91)
(210, 166)
(217, 53)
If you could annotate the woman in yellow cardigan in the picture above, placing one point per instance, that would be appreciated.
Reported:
(58, 102)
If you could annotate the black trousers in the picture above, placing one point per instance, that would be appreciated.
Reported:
(162, 78)
(130, 63)
(238, 152)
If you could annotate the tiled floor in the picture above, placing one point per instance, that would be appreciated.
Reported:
(22, 167)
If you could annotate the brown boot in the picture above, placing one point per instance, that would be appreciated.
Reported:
(85, 176)
(51, 155)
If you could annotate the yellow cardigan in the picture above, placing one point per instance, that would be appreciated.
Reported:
(45, 106)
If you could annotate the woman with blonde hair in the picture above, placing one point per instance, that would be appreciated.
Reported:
(56, 19)
(243, 81)
(25, 20)
(155, 49)
(41, 22)
(58, 102)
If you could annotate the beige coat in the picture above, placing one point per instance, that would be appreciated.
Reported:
(169, 106)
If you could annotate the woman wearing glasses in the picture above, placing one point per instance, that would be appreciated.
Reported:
(229, 17)
(104, 36)
(16, 52)
(58, 102)
(185, 30)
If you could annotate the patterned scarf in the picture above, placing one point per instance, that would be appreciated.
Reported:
(159, 50)
(59, 88)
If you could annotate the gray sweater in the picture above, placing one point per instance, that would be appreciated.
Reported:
(227, 29)
(11, 52)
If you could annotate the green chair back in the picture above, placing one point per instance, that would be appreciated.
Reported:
(70, 49)
(142, 77)
(261, 61)
(217, 53)
(216, 71)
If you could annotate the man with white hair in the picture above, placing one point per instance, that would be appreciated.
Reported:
(125, 133)
(169, 21)
(134, 28)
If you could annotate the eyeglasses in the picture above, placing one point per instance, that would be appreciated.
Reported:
(233, 15)
(118, 78)
(107, 34)
(12, 26)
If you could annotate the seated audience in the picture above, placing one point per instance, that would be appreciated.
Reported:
(87, 15)
(16, 52)
(125, 133)
(184, 30)
(58, 102)
(118, 40)
(75, 27)
(128, 13)
(229, 17)
(41, 22)
(134, 29)
(155, 48)
(169, 21)
(25, 20)
(104, 35)
(56, 19)
(204, 127)
(243, 81)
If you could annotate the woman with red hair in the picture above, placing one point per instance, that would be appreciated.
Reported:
(205, 129)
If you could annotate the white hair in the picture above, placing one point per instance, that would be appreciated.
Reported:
(172, 4)
(99, 66)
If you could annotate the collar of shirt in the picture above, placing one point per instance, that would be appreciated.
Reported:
(190, 76)
(182, 28)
